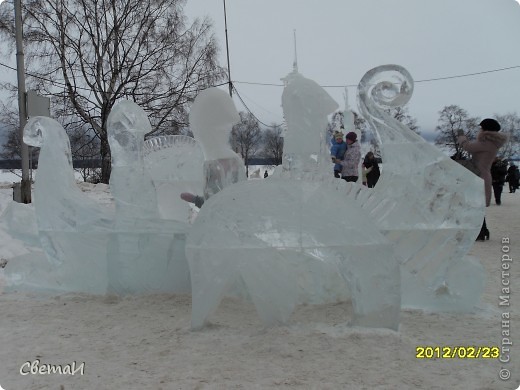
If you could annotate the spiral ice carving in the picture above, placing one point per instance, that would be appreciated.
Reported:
(426, 204)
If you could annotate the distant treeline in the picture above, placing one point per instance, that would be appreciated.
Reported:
(96, 163)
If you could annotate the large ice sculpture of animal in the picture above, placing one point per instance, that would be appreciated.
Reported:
(130, 183)
(145, 252)
(72, 227)
(430, 207)
(59, 203)
(295, 237)
(212, 117)
(175, 164)
(303, 149)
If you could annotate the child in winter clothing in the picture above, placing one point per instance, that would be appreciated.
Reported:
(337, 151)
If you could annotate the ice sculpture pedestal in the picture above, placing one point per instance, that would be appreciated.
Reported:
(148, 259)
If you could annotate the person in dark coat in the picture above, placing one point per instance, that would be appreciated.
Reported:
(498, 178)
(513, 178)
(484, 150)
(371, 170)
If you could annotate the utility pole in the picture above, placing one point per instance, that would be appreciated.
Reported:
(25, 185)
(227, 52)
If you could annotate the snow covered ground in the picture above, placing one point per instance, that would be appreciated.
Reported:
(145, 342)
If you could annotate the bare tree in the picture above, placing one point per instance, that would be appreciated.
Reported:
(510, 124)
(88, 54)
(84, 144)
(337, 121)
(246, 137)
(452, 119)
(360, 125)
(11, 145)
(273, 143)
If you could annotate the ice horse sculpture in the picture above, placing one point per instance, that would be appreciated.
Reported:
(72, 227)
(427, 205)
(145, 253)
(287, 238)
(91, 248)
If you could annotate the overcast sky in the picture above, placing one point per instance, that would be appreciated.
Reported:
(339, 40)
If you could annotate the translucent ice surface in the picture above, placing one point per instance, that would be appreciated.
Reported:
(289, 242)
(90, 248)
(59, 203)
(130, 182)
(175, 164)
(212, 117)
(305, 106)
(145, 253)
(293, 238)
(72, 228)
(430, 207)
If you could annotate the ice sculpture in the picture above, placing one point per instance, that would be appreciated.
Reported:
(130, 182)
(72, 227)
(212, 116)
(293, 238)
(145, 253)
(175, 164)
(430, 207)
(91, 248)
(304, 148)
(60, 204)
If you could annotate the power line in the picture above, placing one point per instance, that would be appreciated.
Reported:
(52, 82)
(415, 81)
(60, 84)
(57, 83)
(468, 74)
(251, 112)
(355, 85)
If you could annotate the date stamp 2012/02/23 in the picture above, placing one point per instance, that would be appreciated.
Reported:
(457, 352)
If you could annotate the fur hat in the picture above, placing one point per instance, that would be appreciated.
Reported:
(489, 124)
(352, 136)
(338, 134)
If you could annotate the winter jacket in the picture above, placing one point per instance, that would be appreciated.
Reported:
(372, 171)
(337, 150)
(483, 151)
(351, 160)
(513, 176)
(499, 171)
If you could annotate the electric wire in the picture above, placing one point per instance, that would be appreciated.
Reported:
(415, 81)
(59, 84)
(251, 112)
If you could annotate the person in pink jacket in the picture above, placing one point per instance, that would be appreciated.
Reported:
(484, 150)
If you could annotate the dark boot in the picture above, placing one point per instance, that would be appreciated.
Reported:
(484, 232)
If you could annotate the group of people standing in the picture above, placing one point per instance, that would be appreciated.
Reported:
(346, 155)
(501, 174)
